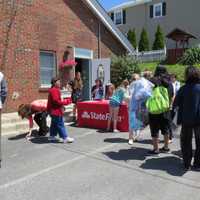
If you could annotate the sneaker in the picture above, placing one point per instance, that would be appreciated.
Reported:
(28, 138)
(138, 139)
(164, 150)
(170, 141)
(130, 141)
(116, 131)
(187, 168)
(52, 139)
(153, 152)
(68, 140)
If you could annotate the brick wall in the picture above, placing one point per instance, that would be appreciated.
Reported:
(45, 25)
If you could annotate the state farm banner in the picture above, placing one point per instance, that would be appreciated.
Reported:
(95, 114)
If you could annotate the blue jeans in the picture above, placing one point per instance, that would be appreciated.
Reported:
(57, 126)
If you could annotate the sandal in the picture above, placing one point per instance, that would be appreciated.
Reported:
(164, 150)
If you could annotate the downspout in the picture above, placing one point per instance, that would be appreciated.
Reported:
(99, 40)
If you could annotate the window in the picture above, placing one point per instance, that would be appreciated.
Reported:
(118, 17)
(47, 67)
(158, 10)
(112, 16)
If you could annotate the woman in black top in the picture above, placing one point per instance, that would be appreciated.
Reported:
(97, 90)
(161, 122)
(187, 101)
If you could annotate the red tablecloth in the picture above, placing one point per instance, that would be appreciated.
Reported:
(94, 114)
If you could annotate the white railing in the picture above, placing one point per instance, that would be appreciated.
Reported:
(150, 56)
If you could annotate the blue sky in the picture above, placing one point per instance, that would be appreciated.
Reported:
(107, 4)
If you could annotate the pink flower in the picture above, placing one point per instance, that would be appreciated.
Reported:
(68, 63)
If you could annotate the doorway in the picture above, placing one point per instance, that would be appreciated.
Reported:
(83, 66)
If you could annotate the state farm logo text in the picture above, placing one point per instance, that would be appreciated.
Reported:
(97, 116)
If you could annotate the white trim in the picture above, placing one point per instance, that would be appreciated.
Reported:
(154, 10)
(82, 56)
(129, 4)
(106, 20)
(55, 65)
(45, 86)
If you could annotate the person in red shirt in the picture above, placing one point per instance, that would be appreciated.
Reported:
(38, 109)
(55, 107)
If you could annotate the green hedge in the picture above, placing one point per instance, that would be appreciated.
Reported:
(122, 67)
(191, 56)
(175, 69)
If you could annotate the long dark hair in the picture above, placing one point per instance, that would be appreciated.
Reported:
(160, 71)
(100, 82)
(53, 81)
(192, 75)
(161, 76)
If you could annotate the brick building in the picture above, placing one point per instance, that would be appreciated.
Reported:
(34, 34)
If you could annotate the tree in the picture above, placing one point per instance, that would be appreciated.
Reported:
(159, 39)
(122, 67)
(132, 38)
(144, 41)
(191, 56)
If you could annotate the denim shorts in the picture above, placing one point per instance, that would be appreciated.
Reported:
(114, 104)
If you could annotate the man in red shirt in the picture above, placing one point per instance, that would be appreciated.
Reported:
(56, 110)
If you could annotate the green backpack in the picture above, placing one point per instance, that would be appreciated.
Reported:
(159, 101)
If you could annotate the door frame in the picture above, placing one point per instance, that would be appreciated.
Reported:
(85, 54)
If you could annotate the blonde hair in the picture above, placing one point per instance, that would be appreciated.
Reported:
(147, 74)
(125, 82)
(78, 83)
(24, 110)
(135, 77)
(109, 91)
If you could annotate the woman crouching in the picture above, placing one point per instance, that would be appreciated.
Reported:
(38, 109)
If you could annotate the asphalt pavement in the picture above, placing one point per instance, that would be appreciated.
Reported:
(97, 166)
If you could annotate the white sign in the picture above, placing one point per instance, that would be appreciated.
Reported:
(97, 116)
(101, 70)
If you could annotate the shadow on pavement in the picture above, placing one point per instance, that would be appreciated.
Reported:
(102, 131)
(147, 141)
(18, 137)
(172, 165)
(43, 140)
(73, 124)
(177, 153)
(23, 135)
(116, 140)
(128, 154)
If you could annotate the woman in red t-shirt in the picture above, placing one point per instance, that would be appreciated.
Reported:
(38, 109)
(55, 109)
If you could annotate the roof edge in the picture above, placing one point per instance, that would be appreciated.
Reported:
(128, 5)
(107, 21)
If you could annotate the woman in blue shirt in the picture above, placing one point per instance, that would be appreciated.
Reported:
(114, 105)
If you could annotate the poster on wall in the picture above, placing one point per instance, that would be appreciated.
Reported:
(101, 70)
